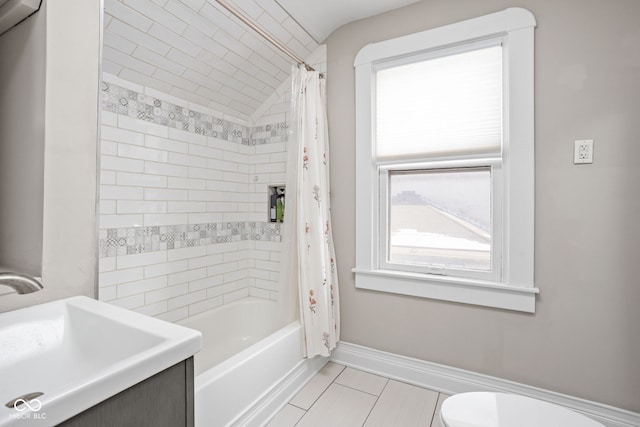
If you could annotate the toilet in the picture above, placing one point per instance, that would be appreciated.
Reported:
(482, 409)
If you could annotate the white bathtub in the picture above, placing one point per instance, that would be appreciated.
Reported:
(246, 367)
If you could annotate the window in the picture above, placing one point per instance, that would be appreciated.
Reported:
(444, 148)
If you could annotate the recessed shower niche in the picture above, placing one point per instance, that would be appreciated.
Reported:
(276, 202)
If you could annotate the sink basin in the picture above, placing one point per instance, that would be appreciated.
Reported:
(78, 352)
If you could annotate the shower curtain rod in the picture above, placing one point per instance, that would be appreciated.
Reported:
(276, 43)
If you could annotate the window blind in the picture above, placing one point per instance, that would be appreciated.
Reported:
(444, 106)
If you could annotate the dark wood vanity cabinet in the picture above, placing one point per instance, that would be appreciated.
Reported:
(163, 400)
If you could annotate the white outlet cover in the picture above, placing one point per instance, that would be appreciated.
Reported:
(583, 151)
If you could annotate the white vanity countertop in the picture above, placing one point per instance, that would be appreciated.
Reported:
(79, 352)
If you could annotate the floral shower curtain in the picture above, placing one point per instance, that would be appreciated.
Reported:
(309, 252)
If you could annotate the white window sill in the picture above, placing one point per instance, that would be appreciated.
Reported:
(489, 294)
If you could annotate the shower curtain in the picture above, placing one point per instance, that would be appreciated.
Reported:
(309, 266)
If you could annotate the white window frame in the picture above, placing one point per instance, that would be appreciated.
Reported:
(513, 288)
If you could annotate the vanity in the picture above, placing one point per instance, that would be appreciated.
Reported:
(81, 362)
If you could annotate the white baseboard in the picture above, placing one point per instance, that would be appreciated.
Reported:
(261, 412)
(452, 380)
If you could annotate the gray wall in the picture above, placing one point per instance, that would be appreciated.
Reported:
(583, 339)
(22, 64)
(70, 104)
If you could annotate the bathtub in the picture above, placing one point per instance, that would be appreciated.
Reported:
(248, 368)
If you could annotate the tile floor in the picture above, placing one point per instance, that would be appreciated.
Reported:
(340, 396)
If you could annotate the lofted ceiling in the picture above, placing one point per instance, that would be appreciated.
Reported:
(197, 51)
(320, 18)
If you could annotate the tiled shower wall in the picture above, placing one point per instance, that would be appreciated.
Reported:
(183, 202)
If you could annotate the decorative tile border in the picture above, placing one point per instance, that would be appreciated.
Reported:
(119, 100)
(137, 240)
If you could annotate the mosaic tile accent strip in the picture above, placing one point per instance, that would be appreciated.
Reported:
(119, 100)
(138, 240)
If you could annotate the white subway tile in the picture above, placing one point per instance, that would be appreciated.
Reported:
(187, 160)
(151, 219)
(267, 265)
(259, 293)
(142, 126)
(174, 39)
(153, 309)
(185, 136)
(127, 14)
(174, 80)
(222, 186)
(121, 164)
(269, 167)
(174, 315)
(235, 216)
(221, 289)
(268, 246)
(235, 177)
(116, 192)
(108, 148)
(128, 61)
(140, 286)
(216, 268)
(130, 302)
(158, 60)
(108, 118)
(166, 293)
(235, 295)
(187, 183)
(204, 305)
(266, 284)
(164, 194)
(278, 177)
(186, 253)
(155, 168)
(138, 37)
(222, 144)
(107, 207)
(189, 207)
(234, 276)
(201, 173)
(138, 206)
(221, 165)
(108, 293)
(107, 264)
(113, 40)
(120, 221)
(137, 179)
(111, 133)
(205, 261)
(187, 299)
(164, 96)
(186, 276)
(120, 276)
(146, 80)
(234, 255)
(260, 274)
(152, 141)
(203, 195)
(207, 282)
(189, 14)
(140, 260)
(143, 153)
(165, 268)
(204, 218)
(204, 151)
(274, 147)
(222, 207)
(113, 79)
